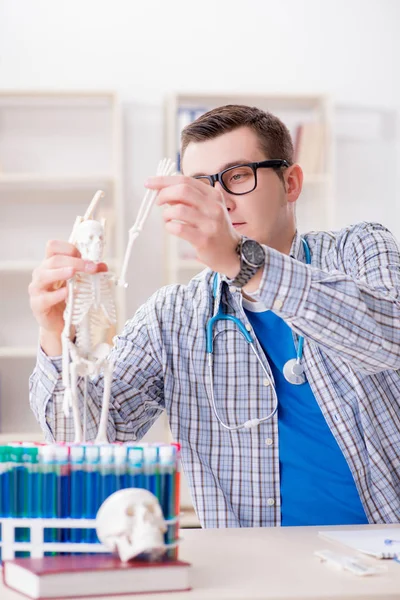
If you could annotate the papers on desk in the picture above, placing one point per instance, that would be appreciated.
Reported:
(380, 543)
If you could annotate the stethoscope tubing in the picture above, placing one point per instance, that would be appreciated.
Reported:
(220, 316)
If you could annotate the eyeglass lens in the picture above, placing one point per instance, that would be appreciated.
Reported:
(238, 180)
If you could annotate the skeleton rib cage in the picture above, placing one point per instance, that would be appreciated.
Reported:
(92, 307)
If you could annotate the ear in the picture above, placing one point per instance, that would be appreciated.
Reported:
(293, 182)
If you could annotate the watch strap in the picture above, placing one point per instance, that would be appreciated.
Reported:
(246, 271)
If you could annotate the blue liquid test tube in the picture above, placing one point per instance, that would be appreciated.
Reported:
(108, 480)
(47, 468)
(5, 492)
(18, 490)
(168, 464)
(33, 482)
(120, 466)
(135, 470)
(77, 455)
(92, 488)
(152, 478)
(61, 459)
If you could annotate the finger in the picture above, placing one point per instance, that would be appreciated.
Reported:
(184, 231)
(60, 247)
(78, 264)
(161, 182)
(43, 279)
(47, 300)
(181, 212)
(183, 194)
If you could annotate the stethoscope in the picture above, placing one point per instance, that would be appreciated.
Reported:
(293, 369)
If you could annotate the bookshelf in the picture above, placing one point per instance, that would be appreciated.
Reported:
(309, 119)
(56, 150)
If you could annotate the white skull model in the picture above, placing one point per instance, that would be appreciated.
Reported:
(89, 239)
(130, 522)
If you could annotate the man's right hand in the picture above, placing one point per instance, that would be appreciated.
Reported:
(47, 300)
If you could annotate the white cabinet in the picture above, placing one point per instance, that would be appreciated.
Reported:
(56, 150)
(310, 115)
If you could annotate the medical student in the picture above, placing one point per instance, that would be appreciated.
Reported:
(280, 374)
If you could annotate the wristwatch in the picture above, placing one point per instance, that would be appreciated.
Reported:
(252, 259)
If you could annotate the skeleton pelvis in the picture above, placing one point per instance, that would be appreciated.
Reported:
(95, 361)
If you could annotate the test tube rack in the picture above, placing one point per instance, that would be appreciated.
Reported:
(37, 546)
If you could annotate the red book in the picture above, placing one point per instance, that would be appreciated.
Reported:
(92, 575)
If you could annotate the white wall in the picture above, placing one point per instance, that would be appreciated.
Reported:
(144, 50)
(349, 49)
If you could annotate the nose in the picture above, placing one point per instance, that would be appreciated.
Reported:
(228, 198)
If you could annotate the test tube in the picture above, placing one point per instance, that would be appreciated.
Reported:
(49, 490)
(19, 490)
(33, 482)
(108, 484)
(135, 473)
(92, 488)
(120, 466)
(61, 459)
(77, 455)
(5, 475)
(5, 492)
(167, 457)
(150, 463)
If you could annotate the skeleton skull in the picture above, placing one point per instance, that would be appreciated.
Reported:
(130, 522)
(89, 239)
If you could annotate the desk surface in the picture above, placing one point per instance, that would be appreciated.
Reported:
(269, 564)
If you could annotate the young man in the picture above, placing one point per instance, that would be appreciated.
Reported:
(330, 453)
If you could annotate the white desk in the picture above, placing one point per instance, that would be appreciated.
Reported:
(268, 564)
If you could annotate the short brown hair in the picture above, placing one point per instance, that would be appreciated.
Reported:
(274, 136)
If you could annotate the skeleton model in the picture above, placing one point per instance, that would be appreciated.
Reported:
(130, 522)
(90, 307)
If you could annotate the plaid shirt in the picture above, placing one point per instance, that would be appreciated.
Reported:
(347, 306)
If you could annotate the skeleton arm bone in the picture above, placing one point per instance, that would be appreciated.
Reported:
(165, 167)
(66, 346)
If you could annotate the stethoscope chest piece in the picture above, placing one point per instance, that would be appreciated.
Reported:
(293, 371)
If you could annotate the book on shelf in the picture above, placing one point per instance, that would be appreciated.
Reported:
(309, 146)
(92, 575)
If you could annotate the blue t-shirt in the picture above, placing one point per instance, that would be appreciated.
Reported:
(317, 487)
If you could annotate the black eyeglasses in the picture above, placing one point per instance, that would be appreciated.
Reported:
(241, 179)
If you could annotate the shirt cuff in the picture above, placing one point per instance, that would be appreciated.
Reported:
(51, 369)
(285, 284)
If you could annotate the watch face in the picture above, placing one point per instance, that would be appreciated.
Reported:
(253, 253)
